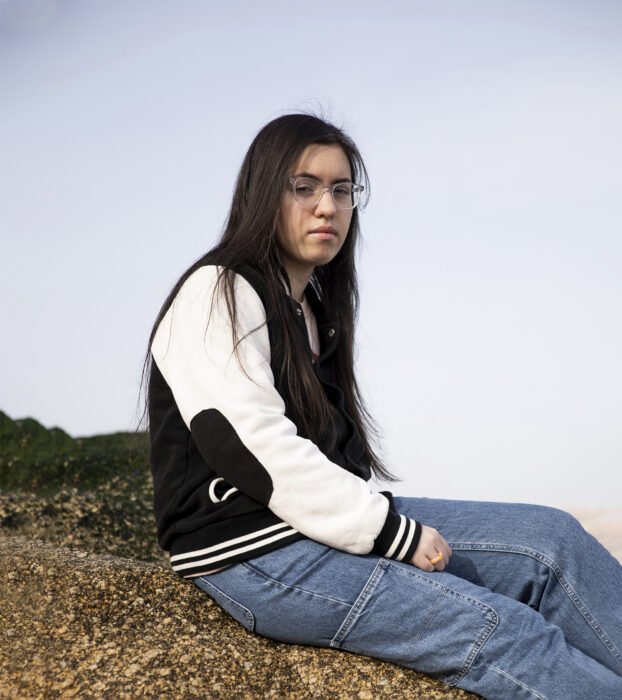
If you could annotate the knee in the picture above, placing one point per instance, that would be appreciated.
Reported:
(554, 519)
(560, 521)
(558, 532)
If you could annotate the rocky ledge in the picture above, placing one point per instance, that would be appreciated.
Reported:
(75, 624)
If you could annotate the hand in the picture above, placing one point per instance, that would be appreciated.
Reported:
(431, 544)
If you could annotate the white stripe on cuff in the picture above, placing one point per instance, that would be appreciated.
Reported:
(409, 539)
(398, 538)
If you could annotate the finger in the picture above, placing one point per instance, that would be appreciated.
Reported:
(445, 549)
(423, 563)
(440, 565)
(437, 560)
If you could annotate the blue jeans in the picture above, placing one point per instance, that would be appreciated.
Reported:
(530, 605)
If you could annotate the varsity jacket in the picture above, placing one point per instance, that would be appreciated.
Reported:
(234, 476)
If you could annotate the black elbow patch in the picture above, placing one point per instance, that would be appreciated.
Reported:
(224, 452)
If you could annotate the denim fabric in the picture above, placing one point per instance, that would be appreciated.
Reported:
(530, 605)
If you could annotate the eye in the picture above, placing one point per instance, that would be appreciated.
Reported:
(306, 189)
(342, 193)
(344, 190)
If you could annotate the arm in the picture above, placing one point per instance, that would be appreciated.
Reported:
(238, 422)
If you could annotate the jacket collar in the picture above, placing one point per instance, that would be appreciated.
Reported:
(329, 330)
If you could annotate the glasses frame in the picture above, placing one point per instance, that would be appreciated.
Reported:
(356, 190)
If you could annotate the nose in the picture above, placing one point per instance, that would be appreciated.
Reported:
(326, 205)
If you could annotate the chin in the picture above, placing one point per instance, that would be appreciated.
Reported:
(324, 260)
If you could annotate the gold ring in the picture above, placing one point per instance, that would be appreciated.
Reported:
(436, 559)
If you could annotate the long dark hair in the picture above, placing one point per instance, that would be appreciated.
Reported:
(249, 240)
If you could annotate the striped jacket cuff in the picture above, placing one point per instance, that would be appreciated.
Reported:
(398, 538)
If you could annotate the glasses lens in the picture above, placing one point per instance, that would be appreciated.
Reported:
(343, 195)
(308, 192)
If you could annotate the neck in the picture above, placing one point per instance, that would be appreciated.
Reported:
(298, 280)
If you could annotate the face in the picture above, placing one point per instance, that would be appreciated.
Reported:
(313, 235)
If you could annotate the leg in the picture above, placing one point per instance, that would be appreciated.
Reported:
(436, 623)
(541, 557)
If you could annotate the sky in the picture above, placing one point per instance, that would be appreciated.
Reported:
(490, 328)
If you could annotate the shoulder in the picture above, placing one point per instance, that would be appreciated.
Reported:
(199, 316)
(207, 279)
(201, 302)
(205, 291)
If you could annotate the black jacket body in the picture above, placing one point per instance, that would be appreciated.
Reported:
(219, 446)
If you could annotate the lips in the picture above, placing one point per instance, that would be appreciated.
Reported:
(324, 233)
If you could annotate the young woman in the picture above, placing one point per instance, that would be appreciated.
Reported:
(261, 459)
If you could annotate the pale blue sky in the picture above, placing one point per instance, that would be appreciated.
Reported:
(490, 330)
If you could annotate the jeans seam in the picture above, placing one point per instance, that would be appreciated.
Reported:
(505, 674)
(359, 604)
(292, 588)
(247, 613)
(490, 614)
(559, 575)
(429, 618)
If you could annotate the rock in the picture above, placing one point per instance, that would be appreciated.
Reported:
(102, 626)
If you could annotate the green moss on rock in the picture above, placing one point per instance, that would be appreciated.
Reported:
(35, 458)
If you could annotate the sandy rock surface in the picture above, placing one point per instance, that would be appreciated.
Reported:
(77, 625)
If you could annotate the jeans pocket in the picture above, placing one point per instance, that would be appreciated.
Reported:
(404, 616)
(237, 611)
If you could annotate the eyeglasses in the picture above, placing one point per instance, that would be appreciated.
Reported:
(308, 191)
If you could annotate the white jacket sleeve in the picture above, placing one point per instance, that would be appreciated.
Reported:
(237, 419)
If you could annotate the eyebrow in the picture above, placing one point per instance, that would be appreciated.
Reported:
(314, 177)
